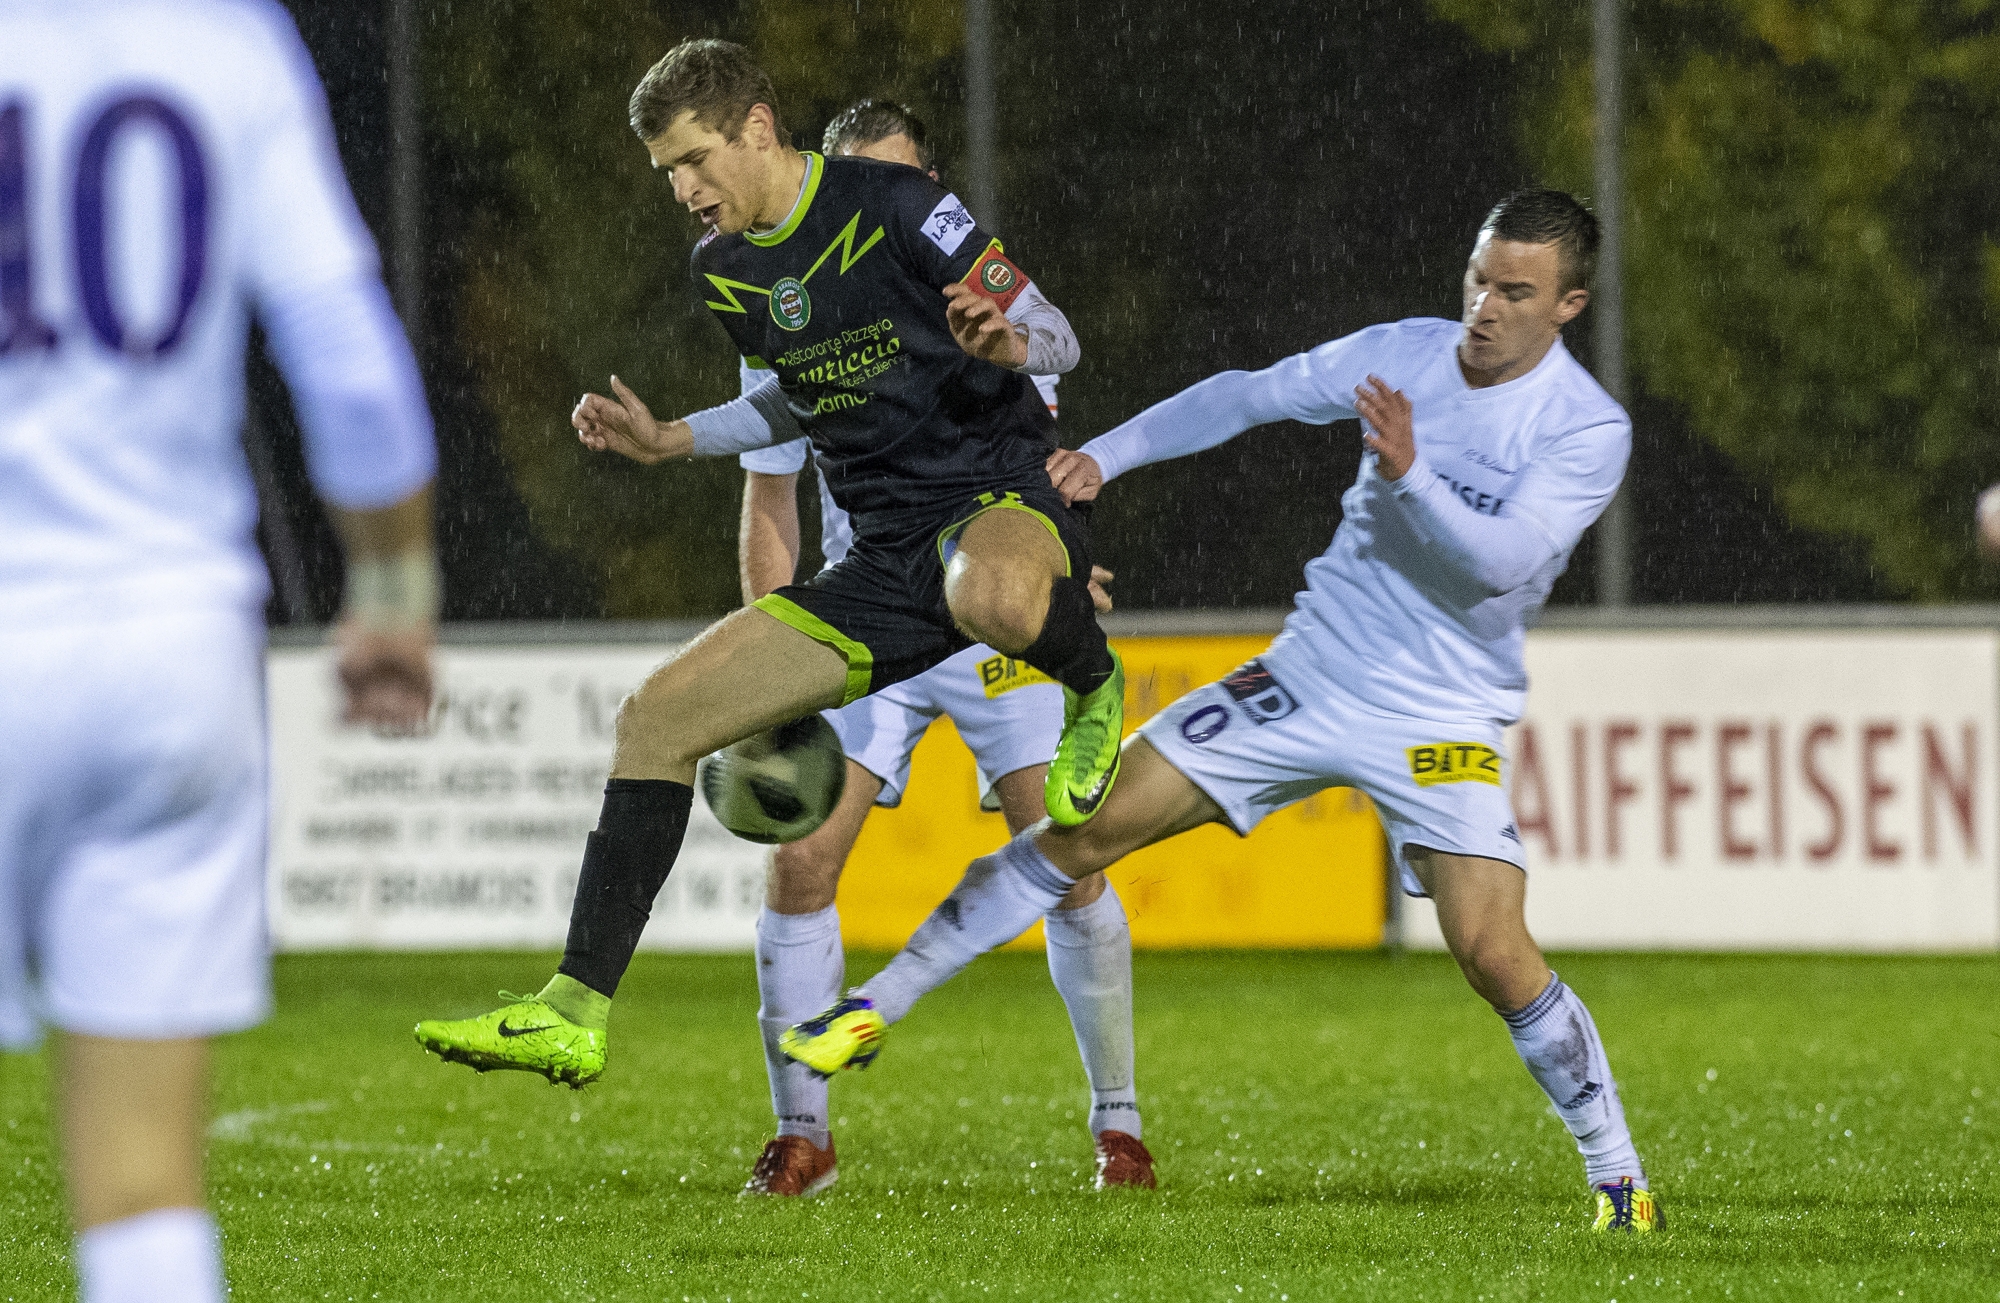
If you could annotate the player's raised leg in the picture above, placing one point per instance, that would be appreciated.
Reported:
(1013, 584)
(1002, 894)
(1480, 906)
(1090, 961)
(747, 673)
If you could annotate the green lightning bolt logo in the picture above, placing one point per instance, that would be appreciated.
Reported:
(849, 255)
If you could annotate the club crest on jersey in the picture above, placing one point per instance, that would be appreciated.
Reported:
(1454, 762)
(1262, 697)
(791, 306)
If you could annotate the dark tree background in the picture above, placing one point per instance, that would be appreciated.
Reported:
(1200, 187)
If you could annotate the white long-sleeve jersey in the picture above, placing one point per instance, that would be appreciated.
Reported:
(166, 166)
(1421, 603)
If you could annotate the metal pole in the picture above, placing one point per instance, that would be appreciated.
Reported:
(1607, 304)
(406, 194)
(981, 113)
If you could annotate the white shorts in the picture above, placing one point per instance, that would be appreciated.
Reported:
(132, 827)
(1009, 715)
(1256, 743)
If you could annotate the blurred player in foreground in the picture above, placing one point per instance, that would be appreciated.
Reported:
(1008, 713)
(163, 167)
(900, 338)
(1489, 451)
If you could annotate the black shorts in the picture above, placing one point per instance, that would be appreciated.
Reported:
(882, 605)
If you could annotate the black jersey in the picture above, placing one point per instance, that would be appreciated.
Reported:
(843, 303)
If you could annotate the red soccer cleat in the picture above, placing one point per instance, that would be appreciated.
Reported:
(1122, 1160)
(793, 1165)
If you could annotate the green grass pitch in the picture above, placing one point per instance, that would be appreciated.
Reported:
(1328, 1127)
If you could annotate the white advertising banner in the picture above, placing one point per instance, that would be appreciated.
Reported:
(470, 836)
(1808, 790)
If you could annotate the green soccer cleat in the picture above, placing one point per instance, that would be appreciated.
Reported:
(1086, 762)
(849, 1035)
(1623, 1206)
(526, 1036)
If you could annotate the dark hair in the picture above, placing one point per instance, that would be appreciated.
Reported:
(866, 121)
(1535, 216)
(718, 81)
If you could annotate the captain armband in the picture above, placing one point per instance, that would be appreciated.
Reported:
(394, 594)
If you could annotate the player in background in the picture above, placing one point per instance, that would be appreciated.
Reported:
(165, 167)
(1008, 713)
(900, 338)
(1489, 451)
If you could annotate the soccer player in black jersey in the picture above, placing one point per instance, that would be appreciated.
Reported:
(900, 338)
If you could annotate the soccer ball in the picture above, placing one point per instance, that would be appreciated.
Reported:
(779, 785)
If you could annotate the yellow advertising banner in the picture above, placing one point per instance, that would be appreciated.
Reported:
(1309, 877)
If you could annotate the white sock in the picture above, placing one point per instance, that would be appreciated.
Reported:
(1090, 958)
(1557, 1040)
(168, 1255)
(800, 966)
(999, 898)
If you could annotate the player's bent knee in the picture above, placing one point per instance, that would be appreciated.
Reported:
(1003, 616)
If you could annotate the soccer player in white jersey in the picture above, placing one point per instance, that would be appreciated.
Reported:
(164, 167)
(1489, 451)
(1009, 714)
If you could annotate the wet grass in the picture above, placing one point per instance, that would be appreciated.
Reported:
(1328, 1127)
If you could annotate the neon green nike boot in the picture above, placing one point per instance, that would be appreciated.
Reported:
(526, 1036)
(1086, 762)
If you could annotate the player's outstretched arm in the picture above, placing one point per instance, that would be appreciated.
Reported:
(1205, 415)
(625, 425)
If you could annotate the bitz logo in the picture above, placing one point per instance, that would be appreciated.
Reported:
(1454, 762)
(791, 308)
(1001, 674)
(1262, 697)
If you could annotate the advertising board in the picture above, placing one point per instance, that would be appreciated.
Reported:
(469, 836)
(1758, 789)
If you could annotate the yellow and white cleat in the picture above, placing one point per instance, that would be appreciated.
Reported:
(1623, 1206)
(849, 1035)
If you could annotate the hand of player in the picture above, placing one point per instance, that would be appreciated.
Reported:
(981, 327)
(1075, 475)
(625, 425)
(1100, 599)
(1389, 431)
(386, 677)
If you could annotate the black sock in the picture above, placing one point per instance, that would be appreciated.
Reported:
(625, 863)
(1071, 650)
